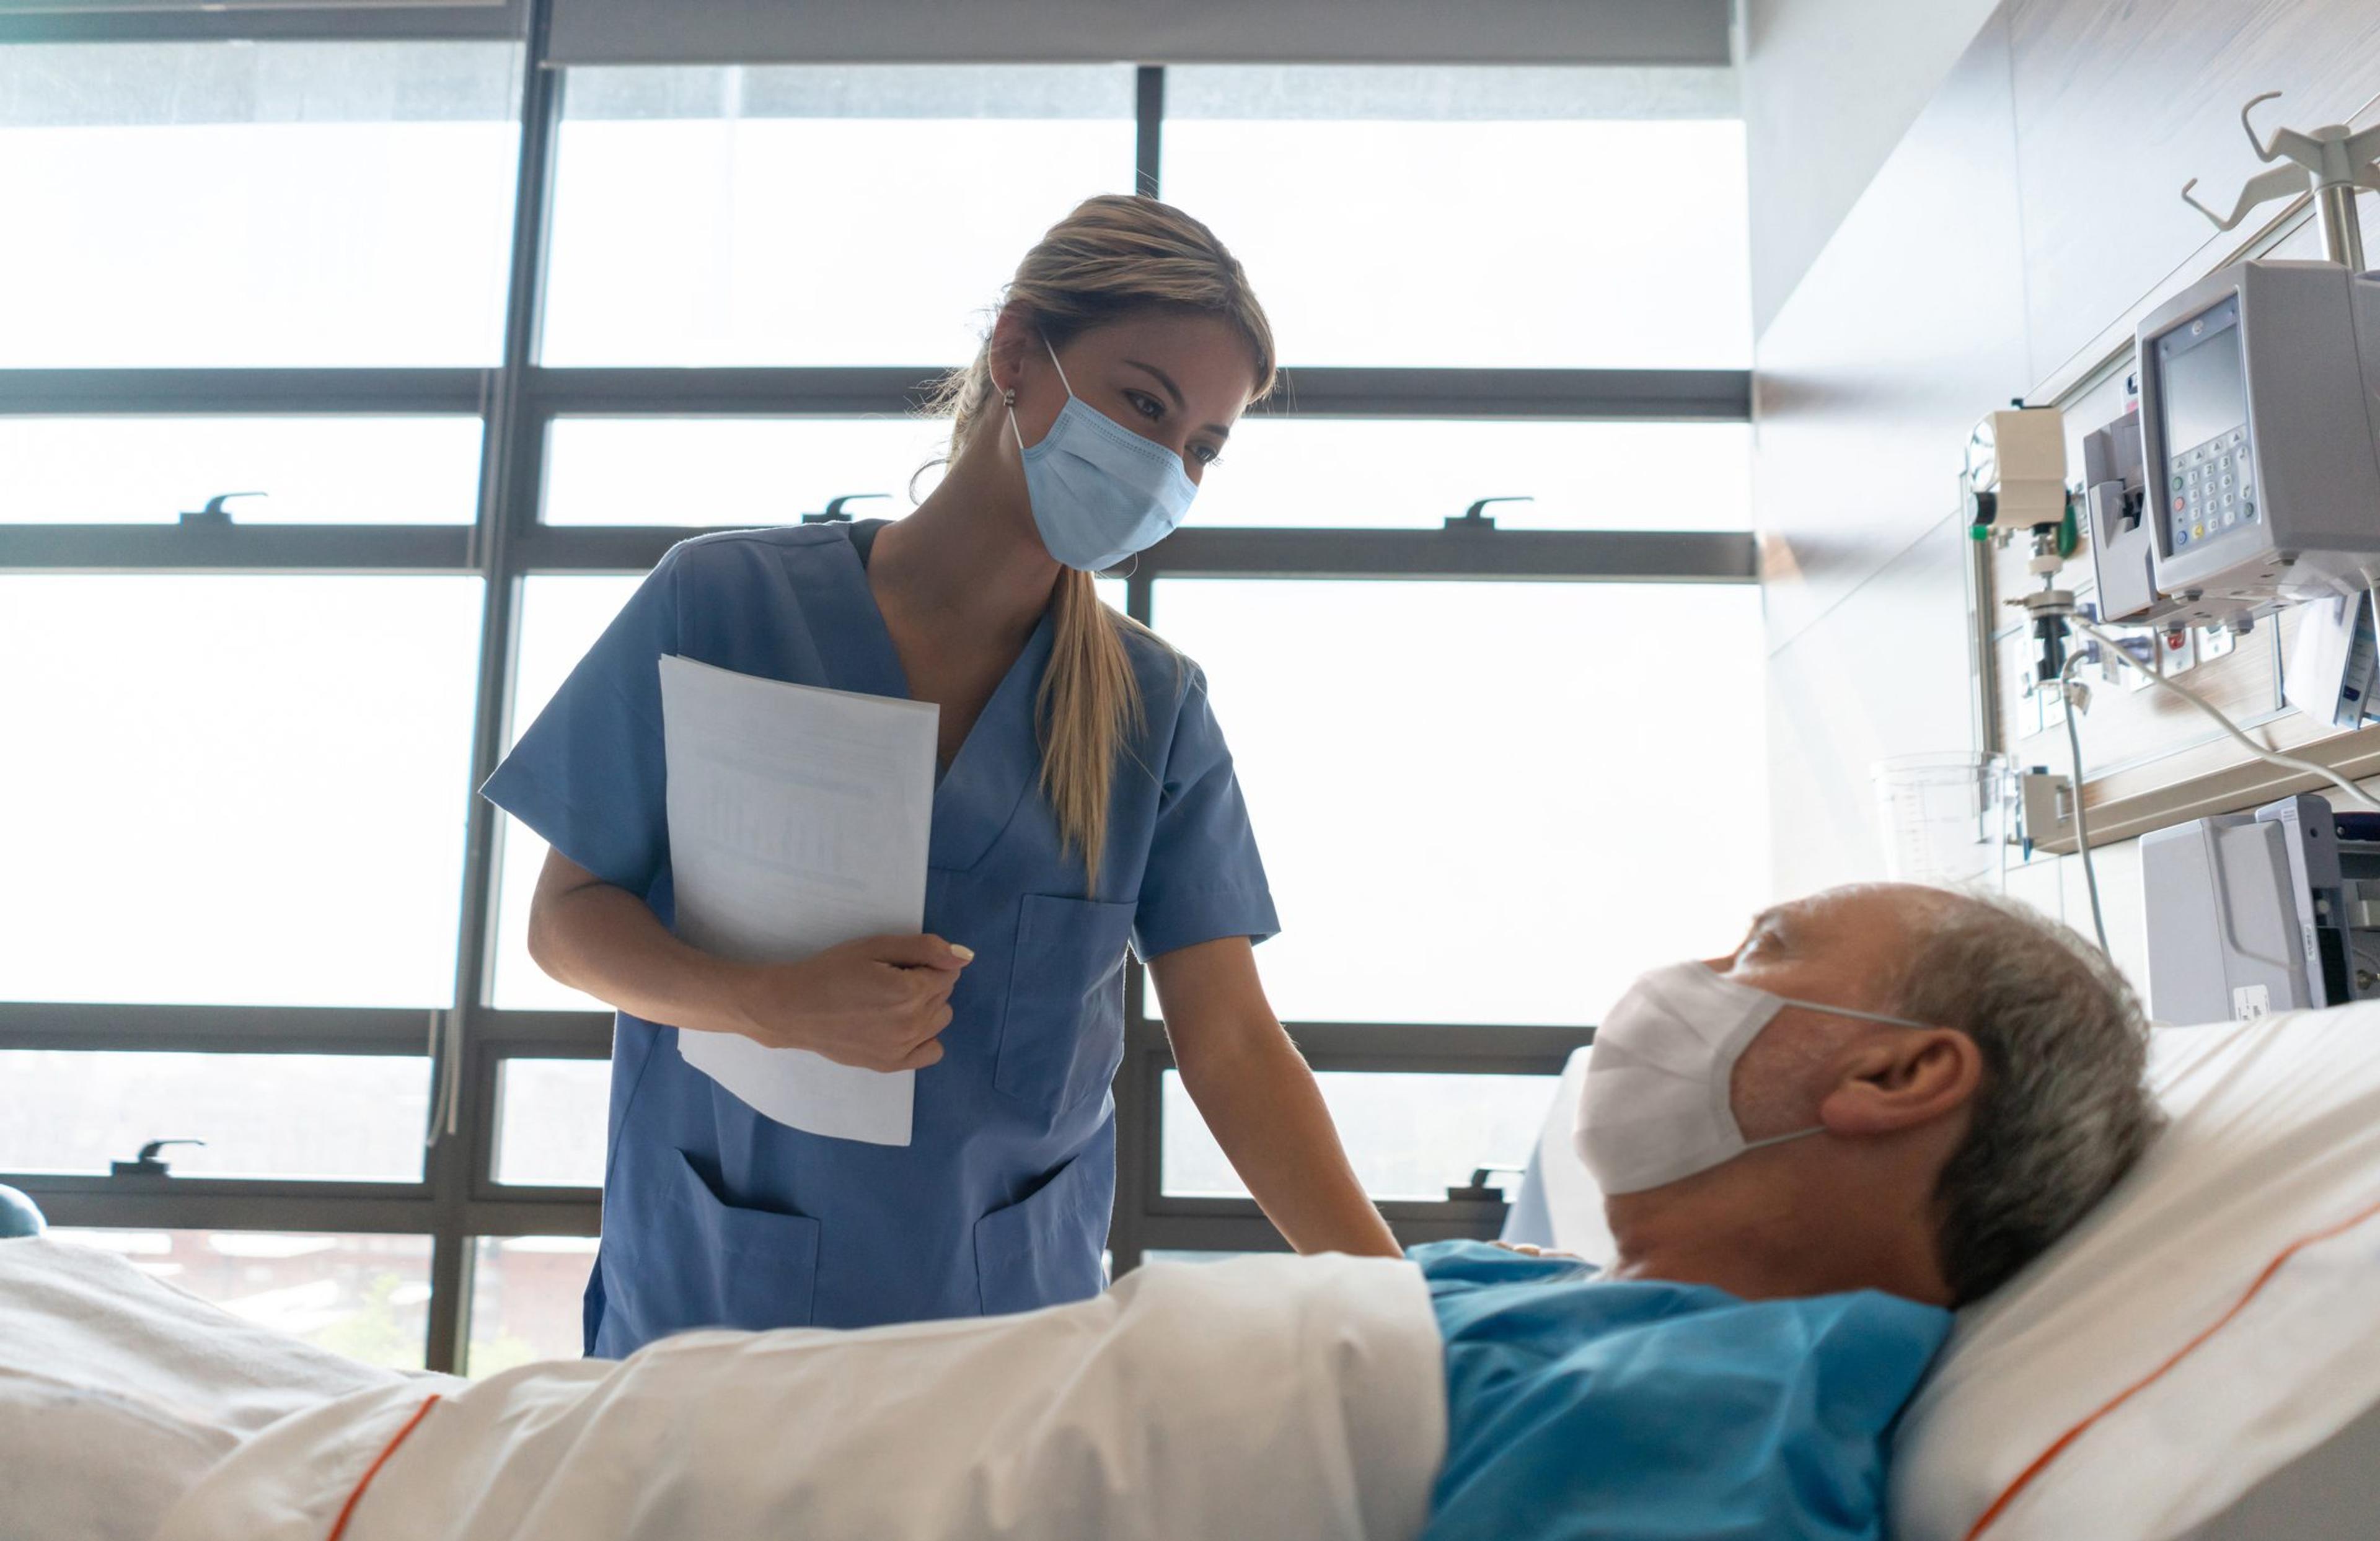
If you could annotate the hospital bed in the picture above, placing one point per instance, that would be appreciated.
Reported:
(2198, 1361)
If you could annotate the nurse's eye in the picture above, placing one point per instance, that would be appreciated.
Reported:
(1208, 454)
(1146, 405)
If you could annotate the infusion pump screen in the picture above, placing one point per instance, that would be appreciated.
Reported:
(2210, 486)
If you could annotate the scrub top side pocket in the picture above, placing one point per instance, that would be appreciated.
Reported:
(1062, 1027)
(692, 1259)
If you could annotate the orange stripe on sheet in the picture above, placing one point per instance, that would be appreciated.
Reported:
(347, 1511)
(2066, 1440)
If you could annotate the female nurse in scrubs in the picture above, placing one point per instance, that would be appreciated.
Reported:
(1084, 803)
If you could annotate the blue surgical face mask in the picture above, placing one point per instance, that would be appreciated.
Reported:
(1101, 493)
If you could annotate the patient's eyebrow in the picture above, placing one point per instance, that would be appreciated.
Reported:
(1768, 927)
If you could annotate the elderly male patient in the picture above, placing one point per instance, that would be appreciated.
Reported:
(1883, 1103)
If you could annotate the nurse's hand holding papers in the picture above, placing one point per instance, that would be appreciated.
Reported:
(878, 1003)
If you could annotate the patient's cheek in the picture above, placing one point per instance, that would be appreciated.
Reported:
(1773, 1087)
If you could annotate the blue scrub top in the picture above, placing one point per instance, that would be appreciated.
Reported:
(714, 1216)
(1580, 1407)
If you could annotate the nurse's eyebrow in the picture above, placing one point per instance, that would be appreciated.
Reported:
(1218, 430)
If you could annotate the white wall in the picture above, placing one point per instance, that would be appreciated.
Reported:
(1830, 88)
(1867, 385)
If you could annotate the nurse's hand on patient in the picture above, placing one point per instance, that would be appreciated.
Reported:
(879, 1003)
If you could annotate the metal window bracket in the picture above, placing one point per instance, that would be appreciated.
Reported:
(149, 1163)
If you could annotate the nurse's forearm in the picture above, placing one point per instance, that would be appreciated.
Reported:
(878, 1003)
(603, 940)
(1260, 1100)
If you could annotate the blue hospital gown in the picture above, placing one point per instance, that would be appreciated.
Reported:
(1579, 1407)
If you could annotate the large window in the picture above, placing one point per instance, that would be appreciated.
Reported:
(243, 203)
(804, 215)
(284, 470)
(488, 336)
(1449, 778)
(248, 786)
(1477, 217)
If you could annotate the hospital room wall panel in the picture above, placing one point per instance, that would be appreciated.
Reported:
(1867, 381)
(2123, 904)
(1829, 87)
(1861, 684)
(2038, 883)
(2117, 106)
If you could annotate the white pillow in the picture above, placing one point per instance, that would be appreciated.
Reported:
(2215, 1318)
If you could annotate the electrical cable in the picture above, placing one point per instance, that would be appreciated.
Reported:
(2082, 818)
(2270, 757)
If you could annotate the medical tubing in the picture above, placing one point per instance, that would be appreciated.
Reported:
(2270, 757)
(2082, 819)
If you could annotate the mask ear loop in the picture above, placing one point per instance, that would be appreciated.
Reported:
(1055, 365)
(1008, 397)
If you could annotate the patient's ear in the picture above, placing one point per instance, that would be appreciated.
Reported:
(1900, 1080)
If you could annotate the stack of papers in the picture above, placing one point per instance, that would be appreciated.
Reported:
(798, 820)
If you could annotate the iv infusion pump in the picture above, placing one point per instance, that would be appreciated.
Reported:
(2260, 444)
(2257, 483)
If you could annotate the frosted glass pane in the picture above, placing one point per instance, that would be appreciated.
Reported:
(357, 1117)
(561, 616)
(1438, 230)
(734, 470)
(1362, 473)
(250, 790)
(550, 1133)
(366, 1297)
(256, 204)
(1408, 1136)
(814, 215)
(1486, 802)
(526, 1296)
(150, 471)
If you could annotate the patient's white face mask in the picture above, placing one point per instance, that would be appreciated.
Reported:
(1656, 1105)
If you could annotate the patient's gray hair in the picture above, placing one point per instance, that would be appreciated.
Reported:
(2064, 1109)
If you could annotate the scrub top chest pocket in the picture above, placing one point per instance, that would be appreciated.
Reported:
(1062, 1027)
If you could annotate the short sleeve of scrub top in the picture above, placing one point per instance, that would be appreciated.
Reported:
(1204, 879)
(588, 775)
(1579, 1407)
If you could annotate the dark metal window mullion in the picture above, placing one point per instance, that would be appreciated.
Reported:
(1149, 131)
(511, 464)
(1138, 1156)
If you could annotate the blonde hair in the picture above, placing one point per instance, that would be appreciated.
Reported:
(1114, 257)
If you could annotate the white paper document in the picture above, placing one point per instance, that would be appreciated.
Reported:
(798, 820)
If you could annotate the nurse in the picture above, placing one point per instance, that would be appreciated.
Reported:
(1084, 803)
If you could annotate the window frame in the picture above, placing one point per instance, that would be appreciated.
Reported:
(458, 1200)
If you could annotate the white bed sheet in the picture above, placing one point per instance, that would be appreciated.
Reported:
(117, 1391)
(1212, 1401)
(2216, 1320)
